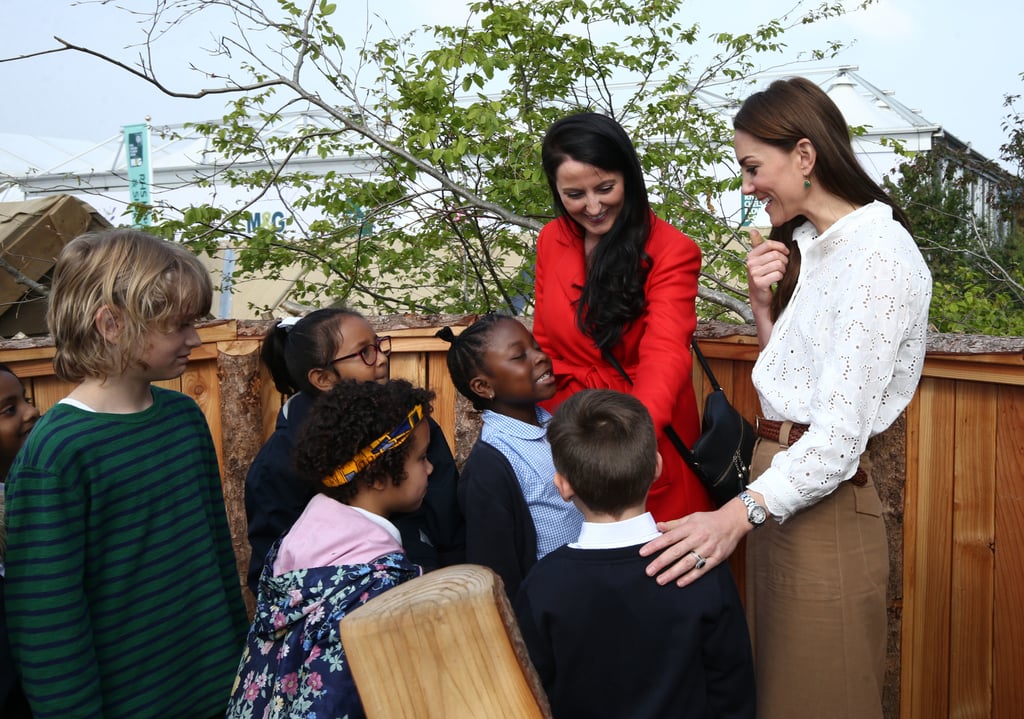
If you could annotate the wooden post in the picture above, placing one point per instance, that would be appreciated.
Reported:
(443, 646)
(241, 428)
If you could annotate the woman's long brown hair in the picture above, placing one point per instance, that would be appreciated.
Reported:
(782, 115)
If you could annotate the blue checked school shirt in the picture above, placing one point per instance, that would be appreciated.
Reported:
(526, 448)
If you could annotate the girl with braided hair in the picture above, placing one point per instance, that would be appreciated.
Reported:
(514, 514)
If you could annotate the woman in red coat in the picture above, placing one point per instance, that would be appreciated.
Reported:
(612, 277)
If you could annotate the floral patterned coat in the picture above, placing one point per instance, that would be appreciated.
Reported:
(293, 664)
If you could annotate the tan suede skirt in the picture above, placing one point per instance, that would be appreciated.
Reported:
(816, 605)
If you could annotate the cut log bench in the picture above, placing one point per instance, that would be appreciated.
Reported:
(443, 646)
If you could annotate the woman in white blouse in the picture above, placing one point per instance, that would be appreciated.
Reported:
(840, 296)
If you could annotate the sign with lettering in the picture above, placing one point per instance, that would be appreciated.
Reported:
(140, 174)
(751, 206)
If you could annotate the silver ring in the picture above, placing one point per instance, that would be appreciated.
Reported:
(700, 560)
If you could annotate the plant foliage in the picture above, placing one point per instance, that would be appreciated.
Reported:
(969, 233)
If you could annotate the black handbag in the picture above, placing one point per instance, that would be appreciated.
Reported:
(721, 455)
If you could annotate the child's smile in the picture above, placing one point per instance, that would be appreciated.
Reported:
(518, 372)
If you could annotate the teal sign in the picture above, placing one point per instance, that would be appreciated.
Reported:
(140, 173)
(751, 206)
(271, 220)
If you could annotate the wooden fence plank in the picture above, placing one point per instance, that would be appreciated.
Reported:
(1008, 630)
(49, 390)
(43, 352)
(201, 383)
(738, 348)
(924, 679)
(42, 367)
(744, 398)
(911, 491)
(444, 401)
(409, 366)
(1008, 372)
(416, 343)
(175, 383)
(973, 563)
(216, 331)
(1005, 358)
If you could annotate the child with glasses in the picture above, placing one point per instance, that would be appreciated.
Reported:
(606, 639)
(514, 515)
(306, 357)
(363, 451)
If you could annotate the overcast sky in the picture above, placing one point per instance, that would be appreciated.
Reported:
(953, 61)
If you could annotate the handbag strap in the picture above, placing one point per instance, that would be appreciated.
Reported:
(705, 366)
(670, 431)
(610, 358)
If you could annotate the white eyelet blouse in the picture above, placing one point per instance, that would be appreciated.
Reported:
(845, 356)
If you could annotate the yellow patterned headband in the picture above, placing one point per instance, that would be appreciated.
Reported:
(395, 438)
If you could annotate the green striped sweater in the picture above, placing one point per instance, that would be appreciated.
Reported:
(122, 591)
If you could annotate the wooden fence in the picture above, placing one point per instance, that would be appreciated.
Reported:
(950, 472)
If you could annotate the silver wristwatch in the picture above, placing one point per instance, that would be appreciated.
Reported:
(756, 514)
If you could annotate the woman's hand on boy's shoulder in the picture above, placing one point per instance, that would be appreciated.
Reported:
(703, 538)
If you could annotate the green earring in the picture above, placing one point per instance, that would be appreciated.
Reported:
(807, 184)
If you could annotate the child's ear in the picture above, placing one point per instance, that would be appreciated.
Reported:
(481, 386)
(379, 484)
(108, 324)
(564, 488)
(658, 466)
(322, 378)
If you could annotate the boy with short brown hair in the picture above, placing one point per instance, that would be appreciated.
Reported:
(606, 639)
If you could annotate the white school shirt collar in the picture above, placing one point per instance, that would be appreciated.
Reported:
(76, 403)
(611, 535)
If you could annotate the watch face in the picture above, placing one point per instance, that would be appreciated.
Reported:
(756, 514)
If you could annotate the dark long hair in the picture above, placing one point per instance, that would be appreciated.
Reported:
(782, 115)
(613, 293)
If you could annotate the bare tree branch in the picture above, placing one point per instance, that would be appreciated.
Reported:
(67, 46)
(23, 279)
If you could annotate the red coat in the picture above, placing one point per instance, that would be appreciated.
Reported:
(655, 351)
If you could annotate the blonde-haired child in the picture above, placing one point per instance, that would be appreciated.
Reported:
(122, 592)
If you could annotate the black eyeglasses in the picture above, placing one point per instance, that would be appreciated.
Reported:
(368, 354)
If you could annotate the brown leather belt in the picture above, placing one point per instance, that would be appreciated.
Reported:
(772, 431)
